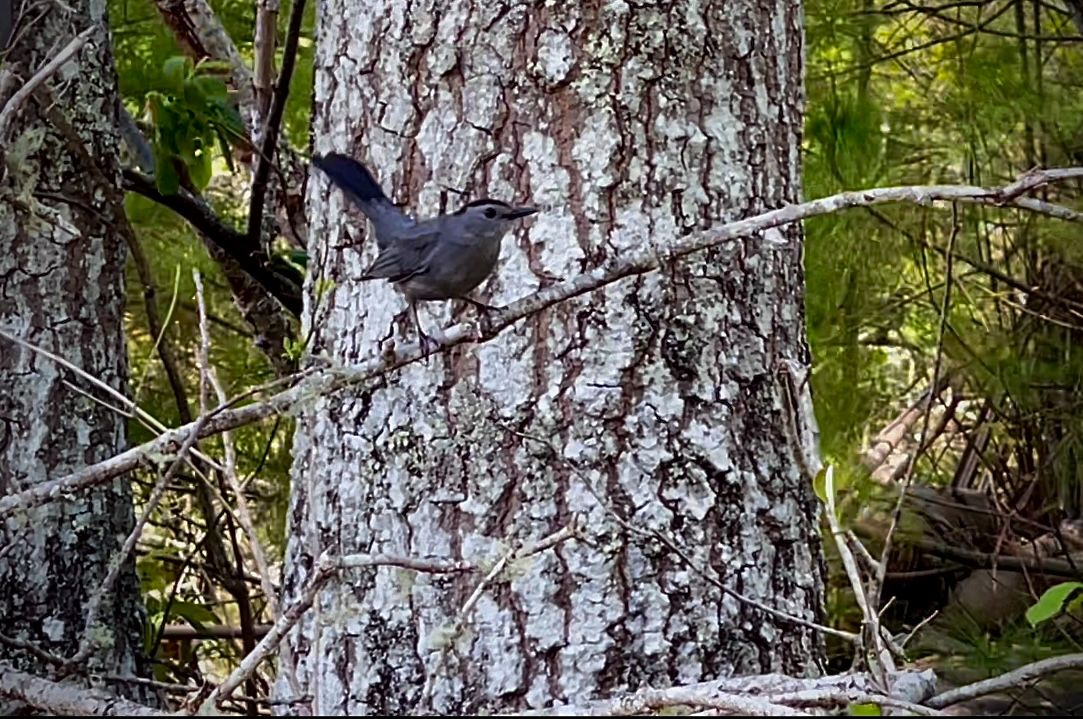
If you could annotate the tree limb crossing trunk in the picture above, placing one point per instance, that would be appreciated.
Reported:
(658, 405)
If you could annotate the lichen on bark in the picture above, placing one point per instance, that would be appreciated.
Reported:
(62, 288)
(656, 400)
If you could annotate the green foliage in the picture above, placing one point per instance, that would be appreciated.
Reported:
(191, 114)
(864, 710)
(926, 94)
(1053, 602)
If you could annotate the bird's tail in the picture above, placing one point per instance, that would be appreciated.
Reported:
(358, 184)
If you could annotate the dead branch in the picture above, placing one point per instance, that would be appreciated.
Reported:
(65, 698)
(87, 645)
(327, 566)
(264, 63)
(208, 375)
(759, 695)
(269, 140)
(330, 380)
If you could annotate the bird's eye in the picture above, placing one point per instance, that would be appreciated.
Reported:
(490, 213)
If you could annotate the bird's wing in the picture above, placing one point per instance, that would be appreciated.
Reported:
(358, 184)
(403, 258)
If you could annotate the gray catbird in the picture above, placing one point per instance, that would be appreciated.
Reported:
(440, 258)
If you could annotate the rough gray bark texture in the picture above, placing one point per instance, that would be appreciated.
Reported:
(658, 400)
(62, 254)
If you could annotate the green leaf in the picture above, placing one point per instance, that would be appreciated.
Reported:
(864, 710)
(1052, 602)
(226, 117)
(165, 175)
(211, 88)
(819, 484)
(199, 167)
(174, 72)
(195, 614)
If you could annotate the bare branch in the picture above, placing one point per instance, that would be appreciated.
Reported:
(12, 105)
(432, 566)
(328, 566)
(251, 258)
(1008, 680)
(325, 381)
(86, 645)
(244, 517)
(32, 648)
(1010, 192)
(759, 695)
(885, 663)
(264, 64)
(67, 699)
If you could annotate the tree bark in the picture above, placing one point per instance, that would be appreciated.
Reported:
(658, 406)
(62, 228)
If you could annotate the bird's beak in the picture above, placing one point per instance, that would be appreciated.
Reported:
(518, 212)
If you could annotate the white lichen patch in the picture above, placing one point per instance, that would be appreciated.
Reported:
(634, 398)
(555, 56)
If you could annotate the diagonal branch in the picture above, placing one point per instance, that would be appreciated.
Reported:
(8, 110)
(327, 566)
(1008, 680)
(325, 381)
(252, 259)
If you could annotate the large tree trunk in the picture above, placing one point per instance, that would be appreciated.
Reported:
(62, 254)
(660, 400)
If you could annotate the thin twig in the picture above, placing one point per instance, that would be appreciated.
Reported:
(706, 572)
(87, 645)
(885, 663)
(328, 566)
(244, 516)
(32, 648)
(464, 614)
(1011, 191)
(19, 97)
(269, 140)
(148, 420)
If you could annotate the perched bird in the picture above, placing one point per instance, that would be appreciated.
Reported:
(440, 258)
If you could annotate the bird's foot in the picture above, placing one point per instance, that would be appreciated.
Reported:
(484, 326)
(429, 345)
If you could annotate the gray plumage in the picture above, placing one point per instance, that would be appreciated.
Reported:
(440, 258)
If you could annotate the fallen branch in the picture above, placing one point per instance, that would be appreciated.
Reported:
(65, 698)
(330, 380)
(760, 695)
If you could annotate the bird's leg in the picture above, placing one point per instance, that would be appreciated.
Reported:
(480, 306)
(428, 344)
(485, 322)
